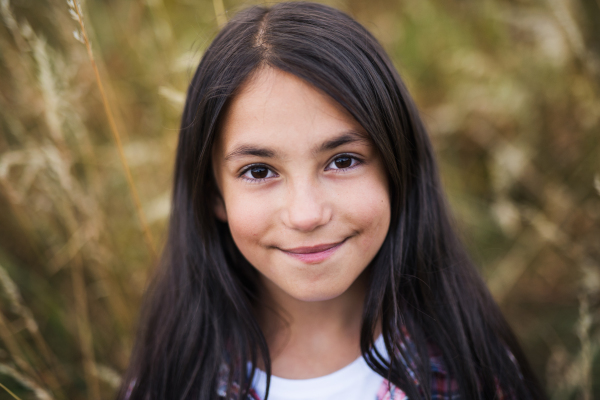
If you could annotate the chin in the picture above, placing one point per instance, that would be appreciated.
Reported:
(312, 294)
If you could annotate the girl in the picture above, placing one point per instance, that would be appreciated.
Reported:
(310, 252)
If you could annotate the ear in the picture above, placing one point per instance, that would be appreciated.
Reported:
(219, 208)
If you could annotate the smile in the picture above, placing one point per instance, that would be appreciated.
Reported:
(314, 254)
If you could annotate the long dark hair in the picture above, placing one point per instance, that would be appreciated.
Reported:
(198, 322)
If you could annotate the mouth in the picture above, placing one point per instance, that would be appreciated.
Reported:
(314, 254)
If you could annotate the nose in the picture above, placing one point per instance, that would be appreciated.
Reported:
(307, 207)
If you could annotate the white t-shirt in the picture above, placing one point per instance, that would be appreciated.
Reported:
(356, 381)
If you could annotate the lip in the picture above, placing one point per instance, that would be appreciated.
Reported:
(314, 254)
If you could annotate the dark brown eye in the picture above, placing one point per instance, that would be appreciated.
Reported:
(343, 162)
(259, 172)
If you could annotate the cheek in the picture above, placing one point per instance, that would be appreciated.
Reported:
(368, 209)
(375, 222)
(249, 219)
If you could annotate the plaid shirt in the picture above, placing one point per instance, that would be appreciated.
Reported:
(443, 387)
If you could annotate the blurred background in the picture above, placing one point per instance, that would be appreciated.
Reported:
(510, 92)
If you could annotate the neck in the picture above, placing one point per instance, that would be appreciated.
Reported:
(311, 339)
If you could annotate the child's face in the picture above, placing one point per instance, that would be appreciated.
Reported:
(305, 192)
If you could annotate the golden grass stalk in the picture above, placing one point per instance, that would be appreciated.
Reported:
(583, 329)
(79, 290)
(13, 347)
(16, 301)
(220, 12)
(40, 393)
(9, 392)
(78, 282)
(81, 35)
(17, 354)
(83, 327)
(12, 25)
(49, 92)
(109, 376)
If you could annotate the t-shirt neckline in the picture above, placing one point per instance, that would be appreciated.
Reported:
(324, 385)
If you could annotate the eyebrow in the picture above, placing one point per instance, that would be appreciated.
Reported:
(346, 137)
(248, 150)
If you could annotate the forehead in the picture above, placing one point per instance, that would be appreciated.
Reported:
(277, 109)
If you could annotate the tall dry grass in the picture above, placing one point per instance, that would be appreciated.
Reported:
(509, 91)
